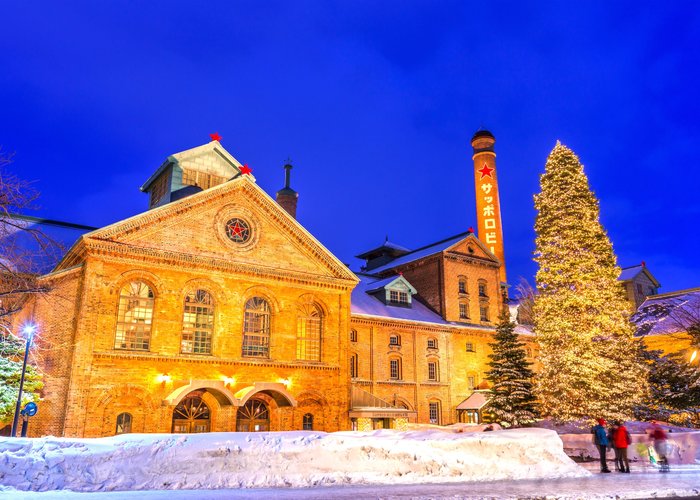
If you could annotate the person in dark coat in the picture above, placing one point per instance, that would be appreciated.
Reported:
(621, 440)
(600, 438)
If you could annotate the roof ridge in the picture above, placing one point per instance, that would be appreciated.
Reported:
(437, 243)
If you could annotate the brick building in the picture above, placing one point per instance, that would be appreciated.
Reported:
(215, 310)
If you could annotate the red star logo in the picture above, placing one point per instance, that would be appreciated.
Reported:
(215, 137)
(236, 229)
(245, 169)
(486, 171)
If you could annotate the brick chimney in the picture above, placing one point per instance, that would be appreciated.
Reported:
(287, 197)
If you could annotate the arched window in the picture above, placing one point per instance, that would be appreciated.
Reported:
(462, 284)
(463, 309)
(308, 423)
(197, 323)
(256, 328)
(191, 415)
(354, 366)
(395, 340)
(434, 412)
(353, 335)
(395, 369)
(254, 416)
(482, 288)
(309, 329)
(134, 317)
(123, 423)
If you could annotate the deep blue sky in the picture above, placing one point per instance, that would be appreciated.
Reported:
(375, 102)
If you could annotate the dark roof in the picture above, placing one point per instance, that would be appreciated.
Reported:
(387, 247)
(482, 133)
(425, 251)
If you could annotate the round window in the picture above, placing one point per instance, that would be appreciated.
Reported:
(238, 230)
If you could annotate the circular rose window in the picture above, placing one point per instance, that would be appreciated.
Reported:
(238, 230)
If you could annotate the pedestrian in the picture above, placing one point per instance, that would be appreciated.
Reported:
(622, 440)
(659, 438)
(611, 443)
(600, 438)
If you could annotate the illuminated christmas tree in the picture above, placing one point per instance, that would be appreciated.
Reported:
(590, 361)
(512, 402)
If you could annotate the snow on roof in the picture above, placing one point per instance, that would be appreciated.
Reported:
(364, 303)
(668, 313)
(629, 273)
(422, 252)
(474, 402)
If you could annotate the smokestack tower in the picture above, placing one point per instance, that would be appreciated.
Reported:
(488, 205)
(287, 197)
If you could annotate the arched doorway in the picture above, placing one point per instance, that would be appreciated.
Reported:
(254, 416)
(191, 415)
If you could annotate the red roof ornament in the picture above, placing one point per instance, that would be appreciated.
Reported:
(245, 170)
(644, 264)
(470, 230)
(215, 137)
(400, 273)
(486, 171)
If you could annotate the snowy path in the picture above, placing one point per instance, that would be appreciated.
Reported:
(679, 483)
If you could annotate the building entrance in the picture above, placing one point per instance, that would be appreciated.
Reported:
(191, 415)
(254, 416)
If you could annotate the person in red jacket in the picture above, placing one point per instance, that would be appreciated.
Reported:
(622, 440)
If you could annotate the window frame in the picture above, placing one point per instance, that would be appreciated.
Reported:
(395, 369)
(257, 326)
(435, 375)
(192, 331)
(309, 345)
(125, 420)
(434, 409)
(127, 332)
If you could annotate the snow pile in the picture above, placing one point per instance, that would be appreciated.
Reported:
(279, 459)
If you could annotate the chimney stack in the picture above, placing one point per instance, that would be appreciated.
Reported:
(488, 205)
(287, 197)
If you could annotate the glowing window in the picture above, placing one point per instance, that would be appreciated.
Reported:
(197, 323)
(309, 329)
(256, 328)
(134, 317)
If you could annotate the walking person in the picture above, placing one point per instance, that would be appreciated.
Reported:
(600, 438)
(621, 441)
(658, 437)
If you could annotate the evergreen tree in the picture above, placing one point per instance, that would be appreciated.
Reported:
(674, 390)
(11, 357)
(512, 403)
(590, 361)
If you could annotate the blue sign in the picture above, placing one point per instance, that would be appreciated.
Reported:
(30, 409)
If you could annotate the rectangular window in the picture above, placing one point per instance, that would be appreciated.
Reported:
(395, 369)
(432, 371)
(470, 347)
(463, 311)
(432, 344)
(353, 335)
(462, 286)
(398, 297)
(482, 290)
(353, 366)
(159, 188)
(394, 340)
(434, 411)
(134, 323)
(471, 383)
(201, 179)
(484, 312)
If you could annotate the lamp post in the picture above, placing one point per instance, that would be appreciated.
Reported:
(29, 334)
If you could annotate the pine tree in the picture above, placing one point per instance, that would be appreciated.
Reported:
(512, 403)
(11, 353)
(590, 361)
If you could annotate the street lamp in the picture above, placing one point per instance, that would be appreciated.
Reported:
(28, 331)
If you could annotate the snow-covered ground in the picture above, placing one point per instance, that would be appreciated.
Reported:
(280, 459)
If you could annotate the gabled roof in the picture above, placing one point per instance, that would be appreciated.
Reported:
(214, 146)
(432, 249)
(630, 273)
(242, 184)
(667, 313)
(362, 302)
(388, 282)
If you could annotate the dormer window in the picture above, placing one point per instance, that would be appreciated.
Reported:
(398, 297)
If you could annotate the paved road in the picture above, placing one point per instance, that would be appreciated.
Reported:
(639, 484)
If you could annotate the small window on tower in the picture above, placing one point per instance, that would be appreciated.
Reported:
(470, 347)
